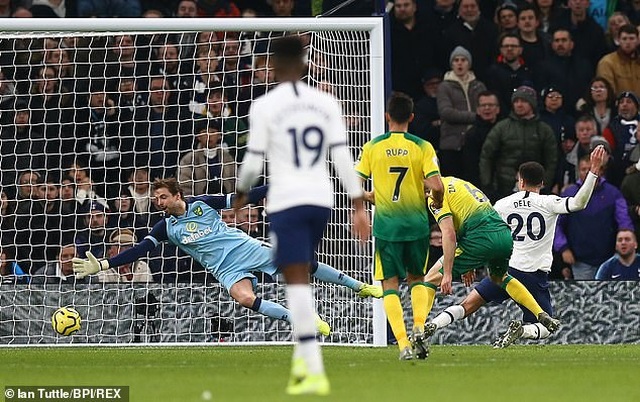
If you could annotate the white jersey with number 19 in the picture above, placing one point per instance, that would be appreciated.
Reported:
(295, 125)
(532, 218)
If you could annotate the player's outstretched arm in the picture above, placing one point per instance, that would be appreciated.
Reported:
(92, 265)
(582, 197)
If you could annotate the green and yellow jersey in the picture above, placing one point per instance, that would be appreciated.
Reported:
(398, 163)
(468, 206)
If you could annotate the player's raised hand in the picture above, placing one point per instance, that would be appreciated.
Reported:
(82, 268)
(598, 158)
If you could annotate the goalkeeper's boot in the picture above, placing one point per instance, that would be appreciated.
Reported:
(298, 371)
(514, 332)
(406, 354)
(549, 322)
(366, 290)
(322, 326)
(419, 343)
(312, 384)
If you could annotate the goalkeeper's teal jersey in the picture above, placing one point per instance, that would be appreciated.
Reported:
(202, 234)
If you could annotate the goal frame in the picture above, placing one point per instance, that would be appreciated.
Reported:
(373, 25)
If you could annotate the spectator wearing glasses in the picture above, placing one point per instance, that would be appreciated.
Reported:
(599, 102)
(509, 70)
(486, 118)
(553, 114)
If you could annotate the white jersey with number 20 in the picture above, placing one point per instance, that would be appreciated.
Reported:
(532, 218)
(295, 125)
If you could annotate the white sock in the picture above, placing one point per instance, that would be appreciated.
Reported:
(303, 319)
(535, 331)
(449, 315)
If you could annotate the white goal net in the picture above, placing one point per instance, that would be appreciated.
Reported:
(93, 110)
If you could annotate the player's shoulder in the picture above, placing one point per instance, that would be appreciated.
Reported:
(548, 201)
(377, 140)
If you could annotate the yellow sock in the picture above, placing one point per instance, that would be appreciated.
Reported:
(419, 299)
(431, 296)
(393, 308)
(520, 294)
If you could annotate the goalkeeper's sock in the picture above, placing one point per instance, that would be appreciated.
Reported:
(331, 275)
(419, 299)
(449, 315)
(303, 314)
(271, 309)
(521, 295)
(395, 316)
(535, 331)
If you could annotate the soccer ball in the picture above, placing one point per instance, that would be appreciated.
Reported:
(66, 321)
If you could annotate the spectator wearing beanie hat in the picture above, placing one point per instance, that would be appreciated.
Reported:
(521, 137)
(622, 135)
(457, 103)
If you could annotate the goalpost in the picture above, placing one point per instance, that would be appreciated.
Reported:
(91, 110)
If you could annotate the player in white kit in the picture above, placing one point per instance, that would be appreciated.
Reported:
(295, 126)
(532, 218)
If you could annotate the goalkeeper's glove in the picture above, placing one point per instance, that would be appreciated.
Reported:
(82, 268)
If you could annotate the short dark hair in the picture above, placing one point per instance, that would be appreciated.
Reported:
(506, 35)
(170, 183)
(628, 29)
(400, 107)
(532, 173)
(528, 7)
(288, 48)
(562, 30)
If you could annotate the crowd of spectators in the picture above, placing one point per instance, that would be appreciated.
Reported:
(88, 122)
(530, 80)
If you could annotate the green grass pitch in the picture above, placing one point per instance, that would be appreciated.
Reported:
(522, 373)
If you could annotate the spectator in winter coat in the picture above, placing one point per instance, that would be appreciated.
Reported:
(457, 101)
(519, 138)
(622, 67)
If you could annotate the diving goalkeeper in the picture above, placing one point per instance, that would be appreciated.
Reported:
(229, 254)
